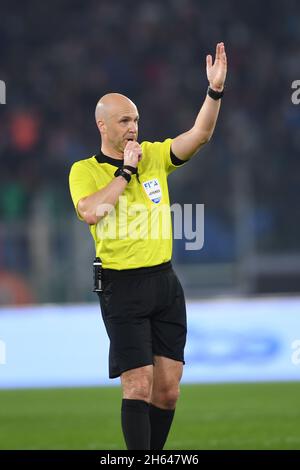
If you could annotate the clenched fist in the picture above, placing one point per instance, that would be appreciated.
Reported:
(132, 153)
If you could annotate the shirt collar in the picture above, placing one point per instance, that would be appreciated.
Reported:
(101, 158)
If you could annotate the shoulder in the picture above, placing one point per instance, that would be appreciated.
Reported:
(156, 148)
(85, 166)
(85, 163)
(156, 145)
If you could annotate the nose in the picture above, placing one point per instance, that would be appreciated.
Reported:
(132, 127)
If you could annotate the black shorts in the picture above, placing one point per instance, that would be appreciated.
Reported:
(144, 315)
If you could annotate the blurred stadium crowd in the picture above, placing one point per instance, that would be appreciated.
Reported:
(58, 59)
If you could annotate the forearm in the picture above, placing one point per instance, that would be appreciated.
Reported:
(187, 144)
(206, 120)
(92, 208)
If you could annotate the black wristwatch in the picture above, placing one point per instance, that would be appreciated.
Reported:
(215, 95)
(121, 172)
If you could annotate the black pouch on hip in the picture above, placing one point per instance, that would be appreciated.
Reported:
(97, 268)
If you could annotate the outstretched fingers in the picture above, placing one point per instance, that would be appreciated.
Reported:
(219, 50)
(224, 58)
(208, 61)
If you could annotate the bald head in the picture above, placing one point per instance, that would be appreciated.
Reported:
(112, 104)
(117, 120)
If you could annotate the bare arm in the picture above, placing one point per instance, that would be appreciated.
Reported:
(92, 208)
(188, 143)
(95, 206)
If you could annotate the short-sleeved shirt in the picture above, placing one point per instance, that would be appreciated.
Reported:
(137, 232)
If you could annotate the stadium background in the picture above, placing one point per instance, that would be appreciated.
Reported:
(56, 62)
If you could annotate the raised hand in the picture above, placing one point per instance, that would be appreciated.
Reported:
(216, 73)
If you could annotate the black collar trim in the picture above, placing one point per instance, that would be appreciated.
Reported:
(101, 158)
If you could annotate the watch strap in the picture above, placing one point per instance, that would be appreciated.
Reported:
(130, 168)
(122, 172)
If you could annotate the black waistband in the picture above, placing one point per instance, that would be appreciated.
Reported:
(117, 274)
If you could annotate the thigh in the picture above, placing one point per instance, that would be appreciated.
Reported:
(128, 327)
(168, 325)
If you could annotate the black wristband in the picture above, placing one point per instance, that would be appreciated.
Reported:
(215, 95)
(121, 172)
(130, 168)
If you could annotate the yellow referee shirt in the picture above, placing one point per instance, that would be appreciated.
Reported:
(138, 231)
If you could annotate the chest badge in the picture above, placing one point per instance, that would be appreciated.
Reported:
(153, 190)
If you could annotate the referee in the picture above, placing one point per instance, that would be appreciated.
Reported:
(142, 301)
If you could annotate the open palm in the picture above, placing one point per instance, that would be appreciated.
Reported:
(216, 73)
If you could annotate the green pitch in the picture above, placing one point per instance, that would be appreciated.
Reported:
(230, 416)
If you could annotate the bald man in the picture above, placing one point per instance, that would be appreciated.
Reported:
(122, 194)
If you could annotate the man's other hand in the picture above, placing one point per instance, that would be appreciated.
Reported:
(132, 153)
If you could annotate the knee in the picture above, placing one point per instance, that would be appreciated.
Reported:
(166, 398)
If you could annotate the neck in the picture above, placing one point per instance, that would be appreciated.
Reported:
(111, 152)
